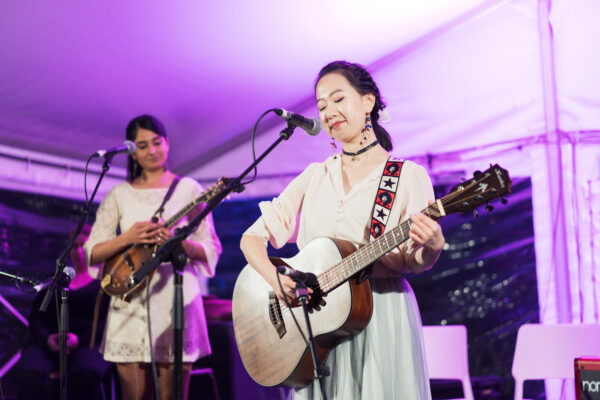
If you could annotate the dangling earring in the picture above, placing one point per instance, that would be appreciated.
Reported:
(333, 145)
(135, 169)
(368, 123)
(366, 130)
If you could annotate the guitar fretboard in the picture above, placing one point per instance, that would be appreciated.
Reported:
(175, 218)
(366, 255)
(204, 197)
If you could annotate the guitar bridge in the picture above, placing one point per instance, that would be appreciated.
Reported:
(275, 315)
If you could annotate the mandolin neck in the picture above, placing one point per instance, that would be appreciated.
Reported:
(182, 213)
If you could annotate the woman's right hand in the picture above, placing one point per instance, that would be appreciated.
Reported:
(256, 255)
(142, 233)
(289, 289)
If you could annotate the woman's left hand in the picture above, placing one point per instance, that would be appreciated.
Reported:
(426, 232)
(162, 235)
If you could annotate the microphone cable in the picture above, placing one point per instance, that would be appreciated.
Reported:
(85, 173)
(252, 138)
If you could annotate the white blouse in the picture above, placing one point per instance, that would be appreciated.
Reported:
(126, 332)
(317, 196)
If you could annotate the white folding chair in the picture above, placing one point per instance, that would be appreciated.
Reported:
(548, 351)
(447, 355)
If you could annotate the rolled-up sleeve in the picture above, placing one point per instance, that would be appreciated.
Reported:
(277, 223)
(205, 235)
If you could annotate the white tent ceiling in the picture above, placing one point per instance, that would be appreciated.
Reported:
(73, 73)
(455, 74)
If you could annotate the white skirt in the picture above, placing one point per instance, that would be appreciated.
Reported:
(386, 361)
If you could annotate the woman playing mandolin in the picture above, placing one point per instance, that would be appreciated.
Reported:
(335, 199)
(128, 208)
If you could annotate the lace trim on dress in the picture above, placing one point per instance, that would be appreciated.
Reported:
(142, 351)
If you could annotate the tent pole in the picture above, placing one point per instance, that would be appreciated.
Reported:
(560, 261)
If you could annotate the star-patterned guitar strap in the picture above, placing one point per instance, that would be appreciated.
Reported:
(384, 200)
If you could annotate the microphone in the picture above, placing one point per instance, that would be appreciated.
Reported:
(308, 278)
(127, 147)
(311, 126)
(68, 273)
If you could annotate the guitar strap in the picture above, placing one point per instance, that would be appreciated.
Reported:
(158, 213)
(155, 218)
(384, 200)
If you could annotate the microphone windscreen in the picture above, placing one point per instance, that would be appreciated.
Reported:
(130, 146)
(69, 271)
(316, 129)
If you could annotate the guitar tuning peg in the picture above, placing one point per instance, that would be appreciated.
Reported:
(503, 200)
(477, 174)
(489, 208)
(476, 213)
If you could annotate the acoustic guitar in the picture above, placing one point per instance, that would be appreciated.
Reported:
(271, 346)
(119, 268)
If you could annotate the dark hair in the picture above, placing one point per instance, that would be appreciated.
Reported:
(363, 82)
(144, 122)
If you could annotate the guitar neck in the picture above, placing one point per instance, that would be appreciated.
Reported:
(466, 196)
(366, 255)
(182, 213)
(205, 196)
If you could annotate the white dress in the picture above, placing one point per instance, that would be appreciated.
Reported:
(126, 333)
(386, 361)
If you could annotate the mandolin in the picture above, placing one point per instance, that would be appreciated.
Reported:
(119, 268)
(271, 346)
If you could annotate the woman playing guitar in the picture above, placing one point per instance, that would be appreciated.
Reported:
(335, 199)
(128, 208)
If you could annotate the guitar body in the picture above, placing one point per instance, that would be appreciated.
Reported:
(118, 269)
(271, 348)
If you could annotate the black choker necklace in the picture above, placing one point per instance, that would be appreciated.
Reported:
(366, 148)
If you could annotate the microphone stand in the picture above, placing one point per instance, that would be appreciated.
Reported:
(172, 251)
(60, 280)
(19, 279)
(63, 328)
(321, 371)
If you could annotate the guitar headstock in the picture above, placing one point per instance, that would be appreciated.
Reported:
(483, 187)
(211, 192)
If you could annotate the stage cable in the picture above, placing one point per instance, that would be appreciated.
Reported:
(85, 173)
(252, 137)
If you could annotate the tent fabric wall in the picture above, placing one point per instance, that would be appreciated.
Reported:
(577, 64)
